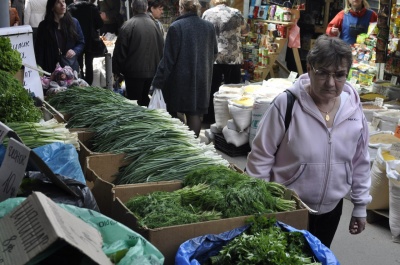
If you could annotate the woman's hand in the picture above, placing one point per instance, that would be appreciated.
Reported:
(357, 225)
(70, 53)
(335, 31)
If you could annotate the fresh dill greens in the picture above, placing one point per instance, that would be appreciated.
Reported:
(265, 243)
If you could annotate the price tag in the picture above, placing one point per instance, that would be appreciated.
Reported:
(292, 76)
(4, 130)
(393, 80)
(395, 150)
(375, 122)
(13, 168)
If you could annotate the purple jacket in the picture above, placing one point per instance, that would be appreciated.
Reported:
(322, 165)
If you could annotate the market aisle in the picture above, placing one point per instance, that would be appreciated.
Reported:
(374, 246)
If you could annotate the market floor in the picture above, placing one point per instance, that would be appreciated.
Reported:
(374, 246)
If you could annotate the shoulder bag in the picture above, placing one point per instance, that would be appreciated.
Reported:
(64, 61)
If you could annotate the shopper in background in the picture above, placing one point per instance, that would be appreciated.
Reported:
(323, 155)
(14, 18)
(59, 31)
(351, 21)
(155, 11)
(90, 21)
(138, 50)
(109, 12)
(185, 71)
(20, 6)
(230, 26)
(34, 14)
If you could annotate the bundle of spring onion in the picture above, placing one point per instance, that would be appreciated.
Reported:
(161, 147)
(75, 99)
(211, 189)
(35, 134)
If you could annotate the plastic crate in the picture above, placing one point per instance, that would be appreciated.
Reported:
(230, 149)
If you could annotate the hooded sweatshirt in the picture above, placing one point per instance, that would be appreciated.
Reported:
(321, 164)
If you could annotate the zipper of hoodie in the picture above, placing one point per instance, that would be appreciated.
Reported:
(328, 167)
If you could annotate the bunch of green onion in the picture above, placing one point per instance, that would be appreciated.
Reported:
(35, 134)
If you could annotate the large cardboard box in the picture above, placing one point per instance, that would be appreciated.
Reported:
(38, 225)
(168, 239)
(100, 175)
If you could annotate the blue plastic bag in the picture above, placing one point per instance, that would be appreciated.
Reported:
(197, 250)
(61, 158)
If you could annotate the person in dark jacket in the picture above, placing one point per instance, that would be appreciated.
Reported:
(58, 33)
(137, 52)
(185, 72)
(110, 14)
(89, 18)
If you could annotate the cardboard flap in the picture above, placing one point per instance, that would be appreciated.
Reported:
(38, 223)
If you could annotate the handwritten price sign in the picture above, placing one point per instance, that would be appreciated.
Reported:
(13, 169)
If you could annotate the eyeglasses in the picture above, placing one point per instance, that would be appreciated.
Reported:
(323, 75)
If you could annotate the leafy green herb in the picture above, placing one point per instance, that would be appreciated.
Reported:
(265, 243)
(10, 59)
(16, 105)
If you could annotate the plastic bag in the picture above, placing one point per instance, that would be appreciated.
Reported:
(122, 245)
(195, 251)
(294, 36)
(157, 100)
(62, 159)
(37, 181)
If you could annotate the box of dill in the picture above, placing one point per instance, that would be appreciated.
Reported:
(168, 239)
(101, 174)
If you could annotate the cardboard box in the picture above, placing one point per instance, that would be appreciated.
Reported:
(84, 138)
(38, 225)
(168, 239)
(101, 173)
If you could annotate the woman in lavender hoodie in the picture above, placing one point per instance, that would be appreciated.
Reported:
(323, 155)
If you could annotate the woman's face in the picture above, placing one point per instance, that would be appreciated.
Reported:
(327, 82)
(356, 4)
(59, 7)
(157, 12)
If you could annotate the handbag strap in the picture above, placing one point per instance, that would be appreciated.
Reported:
(58, 45)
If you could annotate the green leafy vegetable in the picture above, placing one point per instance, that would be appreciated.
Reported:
(10, 59)
(16, 105)
(265, 243)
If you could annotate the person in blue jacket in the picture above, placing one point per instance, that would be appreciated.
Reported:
(59, 34)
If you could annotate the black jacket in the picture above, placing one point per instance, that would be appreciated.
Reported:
(89, 18)
(138, 48)
(185, 72)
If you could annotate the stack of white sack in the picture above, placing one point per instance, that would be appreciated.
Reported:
(385, 120)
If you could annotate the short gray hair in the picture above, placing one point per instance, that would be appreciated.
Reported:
(330, 51)
(139, 6)
(190, 6)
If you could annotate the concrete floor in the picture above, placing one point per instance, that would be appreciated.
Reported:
(374, 246)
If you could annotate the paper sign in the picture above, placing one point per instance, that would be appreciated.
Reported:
(375, 122)
(4, 130)
(393, 80)
(13, 169)
(292, 76)
(22, 41)
(39, 223)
